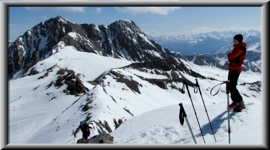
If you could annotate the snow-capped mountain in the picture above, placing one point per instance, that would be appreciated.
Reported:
(55, 94)
(212, 48)
(204, 42)
(219, 58)
(121, 39)
(63, 73)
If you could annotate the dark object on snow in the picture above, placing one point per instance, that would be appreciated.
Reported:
(182, 115)
(197, 84)
(228, 99)
(185, 82)
(101, 138)
(81, 140)
(239, 107)
(85, 128)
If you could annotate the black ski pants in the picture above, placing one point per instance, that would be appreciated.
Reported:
(233, 78)
(85, 135)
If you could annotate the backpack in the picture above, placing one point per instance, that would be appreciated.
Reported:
(82, 122)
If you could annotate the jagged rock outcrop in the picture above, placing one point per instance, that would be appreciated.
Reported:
(39, 43)
(102, 138)
(121, 39)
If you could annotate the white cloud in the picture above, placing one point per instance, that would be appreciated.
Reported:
(11, 25)
(98, 10)
(44, 17)
(67, 9)
(205, 29)
(199, 30)
(156, 32)
(231, 28)
(151, 10)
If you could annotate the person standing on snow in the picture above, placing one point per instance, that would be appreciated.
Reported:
(236, 59)
(85, 128)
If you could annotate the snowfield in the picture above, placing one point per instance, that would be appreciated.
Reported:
(46, 115)
(32, 113)
(88, 64)
(162, 126)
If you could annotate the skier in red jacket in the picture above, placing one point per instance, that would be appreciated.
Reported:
(236, 59)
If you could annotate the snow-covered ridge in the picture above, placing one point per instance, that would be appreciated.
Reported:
(116, 90)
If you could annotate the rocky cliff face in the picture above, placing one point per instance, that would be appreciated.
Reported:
(122, 39)
(39, 42)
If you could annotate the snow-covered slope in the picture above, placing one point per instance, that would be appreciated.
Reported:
(50, 99)
(162, 126)
(48, 103)
(89, 65)
(41, 112)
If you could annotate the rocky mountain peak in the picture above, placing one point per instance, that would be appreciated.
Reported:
(122, 39)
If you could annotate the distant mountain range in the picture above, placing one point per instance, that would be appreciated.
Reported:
(212, 48)
(204, 42)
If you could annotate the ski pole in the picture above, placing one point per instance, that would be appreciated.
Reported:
(197, 84)
(182, 114)
(73, 135)
(185, 82)
(228, 103)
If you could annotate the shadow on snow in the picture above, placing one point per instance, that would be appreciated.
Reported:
(216, 123)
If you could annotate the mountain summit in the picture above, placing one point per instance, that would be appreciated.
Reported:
(122, 39)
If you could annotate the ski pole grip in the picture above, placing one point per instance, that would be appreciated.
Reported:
(182, 109)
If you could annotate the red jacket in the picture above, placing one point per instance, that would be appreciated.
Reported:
(237, 56)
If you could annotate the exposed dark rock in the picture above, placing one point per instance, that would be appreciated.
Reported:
(73, 82)
(117, 124)
(254, 86)
(209, 60)
(33, 71)
(132, 84)
(161, 66)
(82, 141)
(121, 39)
(128, 112)
(102, 138)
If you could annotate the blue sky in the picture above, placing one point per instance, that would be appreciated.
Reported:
(155, 21)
